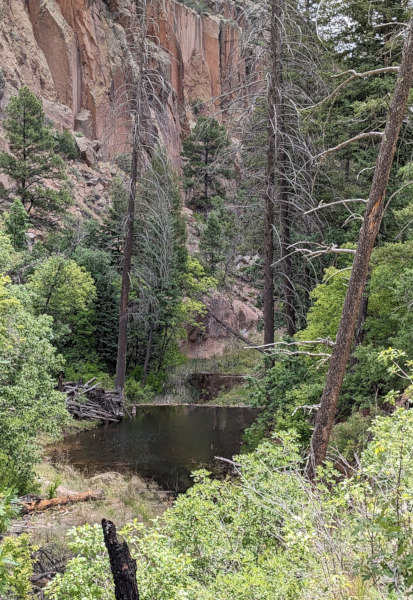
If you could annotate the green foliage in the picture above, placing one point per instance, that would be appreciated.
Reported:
(29, 403)
(33, 157)
(8, 508)
(207, 164)
(66, 145)
(271, 534)
(51, 489)
(16, 567)
(323, 317)
(87, 576)
(63, 290)
(138, 393)
(16, 224)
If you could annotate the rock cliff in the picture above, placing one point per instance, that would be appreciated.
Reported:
(72, 54)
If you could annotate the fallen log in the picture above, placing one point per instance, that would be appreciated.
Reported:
(72, 498)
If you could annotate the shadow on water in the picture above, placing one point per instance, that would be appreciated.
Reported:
(163, 443)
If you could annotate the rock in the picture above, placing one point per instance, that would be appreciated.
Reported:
(86, 151)
(210, 338)
(84, 123)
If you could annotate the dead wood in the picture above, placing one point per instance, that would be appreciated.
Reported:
(37, 505)
(123, 566)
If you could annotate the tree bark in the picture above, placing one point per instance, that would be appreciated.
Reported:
(368, 233)
(126, 270)
(123, 566)
(136, 166)
(268, 293)
(72, 498)
(276, 188)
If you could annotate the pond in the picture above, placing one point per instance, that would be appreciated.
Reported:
(163, 443)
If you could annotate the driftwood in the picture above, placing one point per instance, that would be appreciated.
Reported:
(123, 566)
(92, 402)
(39, 504)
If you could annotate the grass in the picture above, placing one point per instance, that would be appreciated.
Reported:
(240, 395)
(126, 497)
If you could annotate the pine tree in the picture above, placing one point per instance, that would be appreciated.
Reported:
(212, 242)
(207, 164)
(16, 222)
(33, 158)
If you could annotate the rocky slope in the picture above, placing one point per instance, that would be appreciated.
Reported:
(72, 54)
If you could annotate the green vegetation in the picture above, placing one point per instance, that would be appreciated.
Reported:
(271, 534)
(294, 164)
(33, 158)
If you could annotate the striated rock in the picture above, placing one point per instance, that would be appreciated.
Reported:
(72, 53)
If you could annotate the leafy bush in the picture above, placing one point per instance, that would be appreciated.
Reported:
(8, 507)
(16, 567)
(272, 534)
(136, 393)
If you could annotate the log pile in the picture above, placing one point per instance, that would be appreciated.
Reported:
(87, 401)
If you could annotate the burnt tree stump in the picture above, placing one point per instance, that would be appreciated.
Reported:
(123, 566)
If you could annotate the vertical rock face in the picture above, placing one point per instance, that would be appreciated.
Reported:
(72, 54)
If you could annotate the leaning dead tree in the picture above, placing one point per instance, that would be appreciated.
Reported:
(368, 233)
(123, 566)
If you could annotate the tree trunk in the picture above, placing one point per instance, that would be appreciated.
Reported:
(137, 67)
(276, 188)
(126, 269)
(268, 293)
(368, 233)
(123, 566)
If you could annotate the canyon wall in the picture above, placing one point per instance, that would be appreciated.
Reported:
(72, 54)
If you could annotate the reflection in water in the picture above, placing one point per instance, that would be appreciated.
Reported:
(165, 443)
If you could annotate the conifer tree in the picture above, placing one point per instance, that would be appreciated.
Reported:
(33, 158)
(16, 223)
(206, 161)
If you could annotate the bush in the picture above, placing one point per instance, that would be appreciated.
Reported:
(136, 393)
(8, 507)
(66, 145)
(16, 567)
(270, 534)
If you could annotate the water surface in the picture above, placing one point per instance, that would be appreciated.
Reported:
(164, 443)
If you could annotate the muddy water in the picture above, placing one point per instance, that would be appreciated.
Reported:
(164, 443)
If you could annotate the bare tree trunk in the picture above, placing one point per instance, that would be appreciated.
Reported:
(268, 293)
(126, 268)
(276, 189)
(123, 566)
(137, 69)
(371, 225)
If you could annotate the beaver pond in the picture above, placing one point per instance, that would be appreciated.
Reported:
(163, 443)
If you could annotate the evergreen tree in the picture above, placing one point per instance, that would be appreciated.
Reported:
(213, 239)
(207, 163)
(16, 221)
(33, 158)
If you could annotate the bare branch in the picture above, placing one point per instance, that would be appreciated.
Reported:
(356, 138)
(354, 75)
(320, 206)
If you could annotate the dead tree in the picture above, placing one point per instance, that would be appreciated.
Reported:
(368, 233)
(137, 72)
(122, 565)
